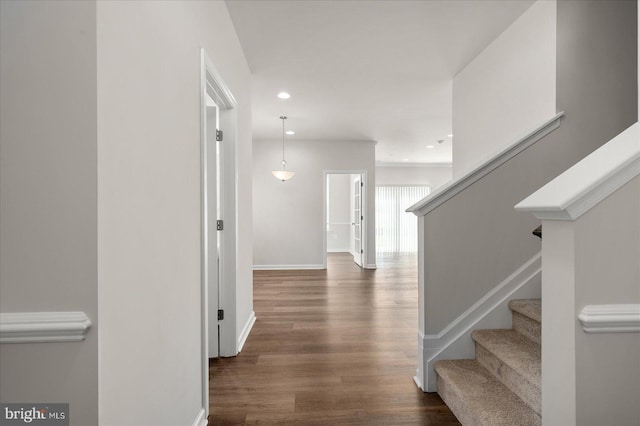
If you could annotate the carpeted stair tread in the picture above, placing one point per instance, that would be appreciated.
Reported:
(530, 308)
(514, 350)
(514, 360)
(476, 397)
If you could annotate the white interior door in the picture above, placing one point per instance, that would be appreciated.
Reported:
(358, 217)
(213, 246)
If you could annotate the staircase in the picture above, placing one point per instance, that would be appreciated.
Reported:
(502, 385)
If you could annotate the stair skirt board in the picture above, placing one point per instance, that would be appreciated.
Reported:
(492, 311)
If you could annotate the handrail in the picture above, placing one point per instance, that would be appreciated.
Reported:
(449, 190)
(589, 181)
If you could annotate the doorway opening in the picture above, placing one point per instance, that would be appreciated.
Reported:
(218, 259)
(345, 220)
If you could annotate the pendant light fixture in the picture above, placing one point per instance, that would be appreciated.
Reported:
(283, 174)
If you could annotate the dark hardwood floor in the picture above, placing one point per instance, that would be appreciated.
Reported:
(334, 347)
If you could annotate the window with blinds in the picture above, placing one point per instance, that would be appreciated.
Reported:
(397, 230)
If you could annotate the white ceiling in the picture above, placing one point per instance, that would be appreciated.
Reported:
(365, 70)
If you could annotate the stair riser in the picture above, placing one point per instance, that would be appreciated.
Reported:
(527, 327)
(455, 404)
(530, 393)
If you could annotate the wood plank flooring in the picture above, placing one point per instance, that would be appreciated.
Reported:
(331, 347)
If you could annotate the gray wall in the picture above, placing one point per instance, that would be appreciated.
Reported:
(48, 199)
(432, 175)
(607, 249)
(289, 229)
(507, 90)
(476, 239)
(149, 202)
(100, 119)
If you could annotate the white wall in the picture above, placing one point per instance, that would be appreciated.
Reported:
(507, 90)
(433, 176)
(338, 213)
(288, 220)
(48, 212)
(149, 202)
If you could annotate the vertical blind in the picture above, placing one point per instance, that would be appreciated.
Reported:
(397, 230)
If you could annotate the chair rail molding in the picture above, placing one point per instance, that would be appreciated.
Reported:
(448, 191)
(610, 318)
(43, 327)
(590, 181)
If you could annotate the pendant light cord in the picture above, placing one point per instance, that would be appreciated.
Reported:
(283, 160)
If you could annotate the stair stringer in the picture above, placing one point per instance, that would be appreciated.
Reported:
(490, 312)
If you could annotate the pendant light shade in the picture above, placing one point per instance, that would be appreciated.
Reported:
(283, 174)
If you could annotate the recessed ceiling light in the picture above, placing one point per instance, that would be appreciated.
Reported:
(284, 95)
(290, 132)
(450, 136)
(430, 146)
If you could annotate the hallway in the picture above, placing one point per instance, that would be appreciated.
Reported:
(335, 346)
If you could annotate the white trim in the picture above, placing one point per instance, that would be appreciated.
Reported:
(610, 318)
(370, 266)
(365, 210)
(286, 267)
(449, 190)
(242, 339)
(216, 88)
(417, 381)
(204, 251)
(211, 83)
(201, 418)
(43, 327)
(345, 250)
(590, 181)
(454, 341)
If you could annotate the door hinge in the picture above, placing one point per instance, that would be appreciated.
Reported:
(361, 184)
(219, 135)
(361, 251)
(220, 314)
(219, 225)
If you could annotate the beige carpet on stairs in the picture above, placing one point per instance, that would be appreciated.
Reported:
(502, 385)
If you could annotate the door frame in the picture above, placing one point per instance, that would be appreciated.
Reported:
(211, 83)
(365, 221)
(353, 183)
(210, 212)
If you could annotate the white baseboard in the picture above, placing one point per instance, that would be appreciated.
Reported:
(201, 418)
(370, 266)
(417, 381)
(491, 311)
(43, 327)
(285, 267)
(246, 330)
(338, 250)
